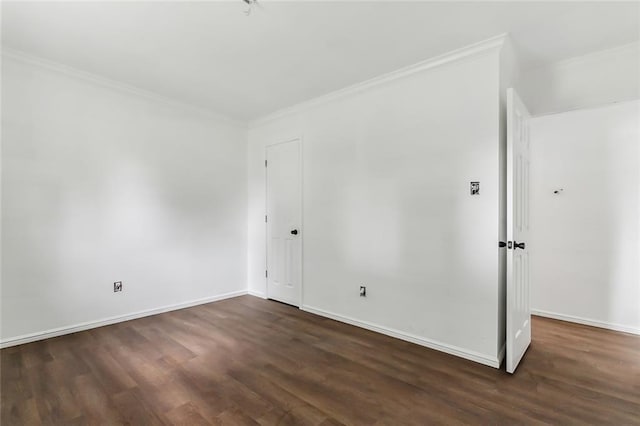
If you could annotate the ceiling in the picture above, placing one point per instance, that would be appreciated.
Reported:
(211, 55)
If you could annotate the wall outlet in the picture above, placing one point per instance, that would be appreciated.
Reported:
(117, 286)
(363, 291)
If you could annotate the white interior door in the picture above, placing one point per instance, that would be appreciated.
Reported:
(518, 283)
(284, 233)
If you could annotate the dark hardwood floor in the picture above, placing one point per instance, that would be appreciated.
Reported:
(251, 361)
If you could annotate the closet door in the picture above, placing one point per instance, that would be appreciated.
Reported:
(284, 233)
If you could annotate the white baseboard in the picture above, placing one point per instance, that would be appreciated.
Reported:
(32, 337)
(432, 344)
(257, 294)
(586, 321)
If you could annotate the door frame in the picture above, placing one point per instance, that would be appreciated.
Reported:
(300, 216)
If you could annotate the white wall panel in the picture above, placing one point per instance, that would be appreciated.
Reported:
(99, 185)
(386, 204)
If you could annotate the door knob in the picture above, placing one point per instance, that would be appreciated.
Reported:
(294, 232)
(518, 245)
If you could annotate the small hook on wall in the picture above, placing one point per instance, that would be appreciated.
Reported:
(557, 191)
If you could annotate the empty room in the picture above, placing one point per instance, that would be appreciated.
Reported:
(255, 212)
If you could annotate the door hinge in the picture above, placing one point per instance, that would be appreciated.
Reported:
(265, 163)
(266, 274)
(265, 218)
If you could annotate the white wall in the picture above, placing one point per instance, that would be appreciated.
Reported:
(585, 81)
(386, 204)
(585, 244)
(100, 185)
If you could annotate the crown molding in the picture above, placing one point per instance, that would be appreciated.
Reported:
(633, 47)
(99, 80)
(453, 56)
(472, 50)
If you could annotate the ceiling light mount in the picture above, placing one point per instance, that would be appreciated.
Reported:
(250, 5)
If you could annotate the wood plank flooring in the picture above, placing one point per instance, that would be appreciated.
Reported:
(247, 361)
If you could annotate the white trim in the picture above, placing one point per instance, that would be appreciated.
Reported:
(586, 321)
(452, 56)
(583, 60)
(432, 344)
(587, 57)
(54, 332)
(302, 230)
(502, 353)
(259, 294)
(297, 139)
(579, 108)
(99, 80)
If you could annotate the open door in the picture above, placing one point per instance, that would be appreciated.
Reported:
(518, 166)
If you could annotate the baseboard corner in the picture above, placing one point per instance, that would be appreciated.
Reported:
(257, 294)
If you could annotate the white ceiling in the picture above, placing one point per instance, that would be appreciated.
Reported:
(211, 55)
